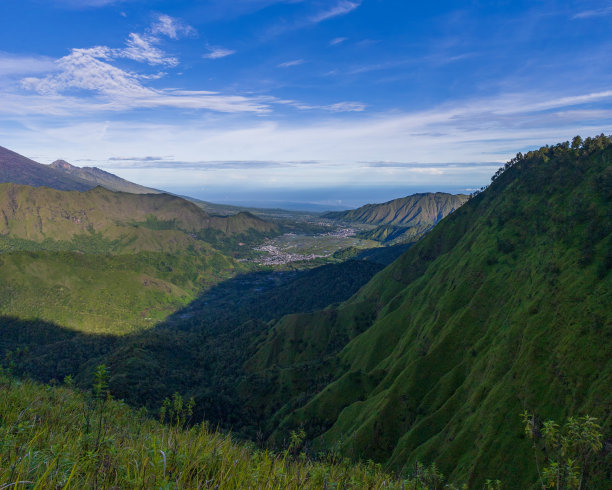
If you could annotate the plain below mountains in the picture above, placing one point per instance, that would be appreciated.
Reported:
(402, 220)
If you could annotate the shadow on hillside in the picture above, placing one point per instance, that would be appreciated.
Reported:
(198, 351)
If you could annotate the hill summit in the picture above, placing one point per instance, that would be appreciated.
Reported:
(404, 219)
(96, 176)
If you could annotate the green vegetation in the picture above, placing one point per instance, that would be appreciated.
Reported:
(116, 294)
(568, 449)
(54, 437)
(505, 304)
(402, 220)
(107, 262)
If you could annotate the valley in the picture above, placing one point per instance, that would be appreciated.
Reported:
(423, 347)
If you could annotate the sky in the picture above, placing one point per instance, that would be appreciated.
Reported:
(330, 102)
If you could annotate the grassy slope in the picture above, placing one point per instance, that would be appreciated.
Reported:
(46, 443)
(106, 293)
(130, 222)
(103, 262)
(503, 306)
(402, 220)
(426, 208)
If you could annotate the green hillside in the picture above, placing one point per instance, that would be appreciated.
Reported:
(110, 262)
(402, 220)
(60, 438)
(117, 221)
(504, 306)
(97, 177)
(101, 293)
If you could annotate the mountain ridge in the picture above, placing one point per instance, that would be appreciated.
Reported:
(435, 357)
(402, 220)
(99, 177)
(18, 169)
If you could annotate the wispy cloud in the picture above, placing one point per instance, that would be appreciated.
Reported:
(141, 48)
(341, 8)
(171, 27)
(11, 64)
(217, 52)
(89, 69)
(337, 40)
(80, 4)
(585, 14)
(288, 64)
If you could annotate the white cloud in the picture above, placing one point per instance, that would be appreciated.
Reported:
(288, 64)
(141, 48)
(341, 8)
(586, 14)
(119, 90)
(82, 69)
(347, 107)
(475, 132)
(337, 107)
(217, 52)
(171, 27)
(337, 40)
(11, 64)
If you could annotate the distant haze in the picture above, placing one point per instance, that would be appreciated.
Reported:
(311, 199)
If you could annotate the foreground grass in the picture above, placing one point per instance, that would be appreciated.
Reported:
(55, 437)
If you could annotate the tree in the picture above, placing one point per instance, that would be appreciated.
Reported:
(569, 449)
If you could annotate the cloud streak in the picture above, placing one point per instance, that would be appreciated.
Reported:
(217, 52)
(341, 8)
(289, 64)
(587, 14)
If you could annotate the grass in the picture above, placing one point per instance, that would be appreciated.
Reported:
(106, 294)
(56, 437)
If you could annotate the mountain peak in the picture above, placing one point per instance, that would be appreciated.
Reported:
(62, 164)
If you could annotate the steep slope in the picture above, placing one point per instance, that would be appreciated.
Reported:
(122, 222)
(21, 170)
(97, 177)
(415, 210)
(102, 261)
(402, 220)
(504, 306)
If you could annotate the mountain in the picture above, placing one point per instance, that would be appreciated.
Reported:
(415, 210)
(128, 222)
(404, 219)
(113, 262)
(61, 175)
(98, 177)
(503, 307)
(21, 170)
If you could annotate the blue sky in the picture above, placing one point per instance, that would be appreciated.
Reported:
(251, 97)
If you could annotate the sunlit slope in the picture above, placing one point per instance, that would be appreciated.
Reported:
(504, 306)
(100, 293)
(102, 261)
(57, 437)
(412, 210)
(119, 221)
(405, 219)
